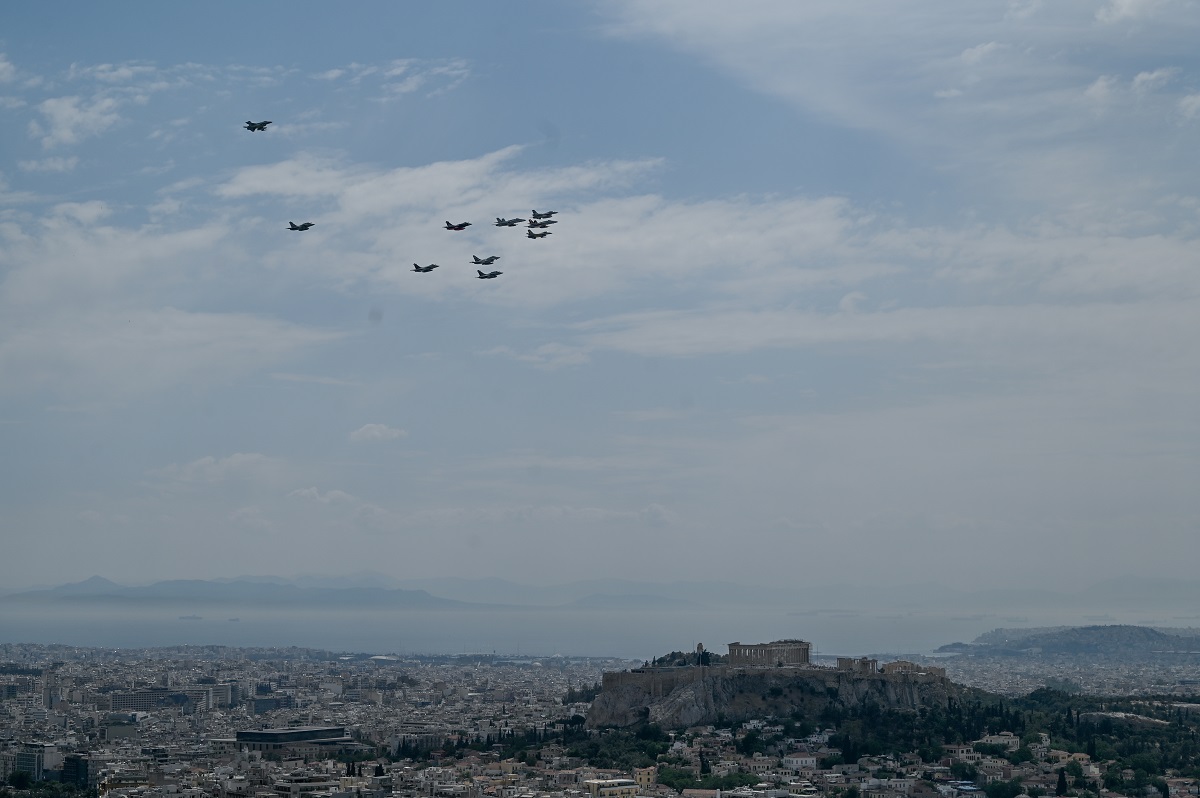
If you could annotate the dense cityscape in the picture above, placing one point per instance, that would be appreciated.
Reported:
(223, 722)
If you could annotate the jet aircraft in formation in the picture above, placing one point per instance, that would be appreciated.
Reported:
(539, 220)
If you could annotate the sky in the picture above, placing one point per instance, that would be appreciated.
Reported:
(840, 292)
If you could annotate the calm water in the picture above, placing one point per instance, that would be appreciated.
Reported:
(636, 634)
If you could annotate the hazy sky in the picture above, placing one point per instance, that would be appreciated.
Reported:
(840, 290)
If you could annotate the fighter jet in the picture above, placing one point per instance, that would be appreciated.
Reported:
(488, 261)
(300, 227)
(502, 222)
(428, 268)
(489, 275)
(532, 234)
(459, 226)
(545, 215)
(546, 223)
(255, 127)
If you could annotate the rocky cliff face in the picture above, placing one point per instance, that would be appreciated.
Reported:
(679, 697)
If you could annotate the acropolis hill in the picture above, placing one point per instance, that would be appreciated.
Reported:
(695, 694)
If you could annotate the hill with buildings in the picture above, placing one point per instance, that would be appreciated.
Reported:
(678, 697)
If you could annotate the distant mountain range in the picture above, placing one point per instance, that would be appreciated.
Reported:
(359, 591)
(372, 589)
(263, 593)
(1115, 640)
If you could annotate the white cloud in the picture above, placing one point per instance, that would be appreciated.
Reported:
(1117, 10)
(143, 351)
(377, 432)
(987, 95)
(328, 497)
(1101, 89)
(401, 76)
(72, 119)
(8, 72)
(211, 470)
(113, 73)
(1189, 106)
(973, 55)
(55, 164)
(1153, 81)
(545, 356)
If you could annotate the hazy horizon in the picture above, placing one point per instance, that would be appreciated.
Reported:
(846, 622)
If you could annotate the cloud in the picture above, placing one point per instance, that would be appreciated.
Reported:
(1189, 106)
(545, 356)
(1152, 81)
(1101, 89)
(55, 164)
(377, 432)
(72, 119)
(986, 97)
(973, 55)
(212, 470)
(1118, 10)
(87, 309)
(311, 378)
(401, 76)
(114, 73)
(8, 72)
(328, 497)
(113, 354)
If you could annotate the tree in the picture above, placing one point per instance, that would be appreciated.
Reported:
(1061, 787)
(1003, 789)
(20, 779)
(751, 743)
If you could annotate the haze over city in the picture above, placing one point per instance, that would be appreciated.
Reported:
(840, 295)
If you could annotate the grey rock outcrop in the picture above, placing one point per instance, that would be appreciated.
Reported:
(680, 697)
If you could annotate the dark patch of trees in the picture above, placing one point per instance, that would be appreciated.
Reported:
(587, 694)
